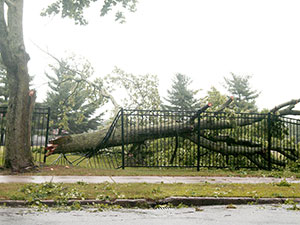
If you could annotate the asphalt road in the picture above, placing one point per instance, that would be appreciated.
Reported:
(242, 215)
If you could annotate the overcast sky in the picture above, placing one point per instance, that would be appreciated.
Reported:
(203, 39)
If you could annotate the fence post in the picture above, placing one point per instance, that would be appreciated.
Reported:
(47, 133)
(122, 137)
(269, 141)
(198, 145)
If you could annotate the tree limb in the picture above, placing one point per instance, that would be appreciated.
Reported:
(223, 148)
(232, 141)
(226, 104)
(201, 110)
(283, 105)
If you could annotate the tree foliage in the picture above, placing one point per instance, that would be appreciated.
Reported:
(75, 9)
(180, 96)
(141, 91)
(72, 100)
(239, 87)
(215, 97)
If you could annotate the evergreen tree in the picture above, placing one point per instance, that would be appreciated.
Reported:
(239, 88)
(180, 96)
(72, 103)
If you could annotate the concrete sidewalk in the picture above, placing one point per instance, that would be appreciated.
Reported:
(142, 179)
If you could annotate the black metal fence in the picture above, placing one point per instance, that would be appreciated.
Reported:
(156, 138)
(39, 132)
(208, 139)
(153, 138)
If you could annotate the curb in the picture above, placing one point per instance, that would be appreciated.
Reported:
(175, 201)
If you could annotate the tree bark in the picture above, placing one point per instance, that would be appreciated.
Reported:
(87, 142)
(18, 154)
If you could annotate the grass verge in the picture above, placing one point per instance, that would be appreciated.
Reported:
(111, 191)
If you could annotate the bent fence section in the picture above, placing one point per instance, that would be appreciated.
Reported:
(153, 138)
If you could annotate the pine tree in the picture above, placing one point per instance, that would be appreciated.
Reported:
(180, 96)
(239, 87)
(70, 98)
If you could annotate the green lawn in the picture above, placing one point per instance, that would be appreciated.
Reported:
(110, 191)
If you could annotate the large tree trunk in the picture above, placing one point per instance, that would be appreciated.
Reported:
(18, 155)
(88, 142)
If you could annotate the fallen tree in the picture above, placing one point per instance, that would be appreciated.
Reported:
(199, 128)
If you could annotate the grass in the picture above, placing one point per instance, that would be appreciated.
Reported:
(110, 191)
(85, 169)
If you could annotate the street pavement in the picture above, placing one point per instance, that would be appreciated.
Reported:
(208, 215)
(142, 179)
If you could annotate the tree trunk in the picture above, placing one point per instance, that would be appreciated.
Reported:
(87, 142)
(18, 154)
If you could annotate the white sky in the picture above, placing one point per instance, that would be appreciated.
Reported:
(204, 39)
